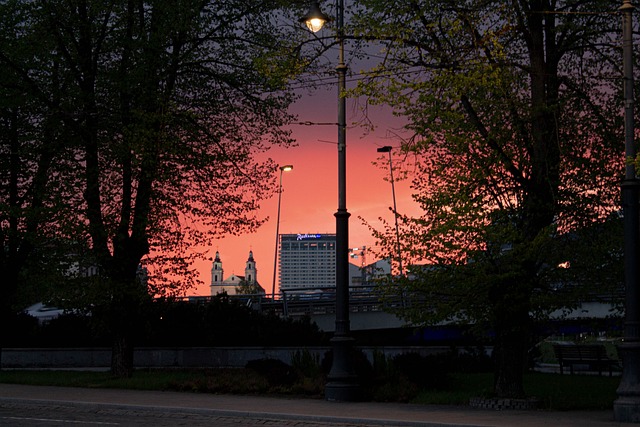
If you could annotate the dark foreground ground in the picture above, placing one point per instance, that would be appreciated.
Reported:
(23, 405)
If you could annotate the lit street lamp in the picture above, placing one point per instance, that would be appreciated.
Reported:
(627, 407)
(315, 19)
(387, 149)
(342, 382)
(285, 168)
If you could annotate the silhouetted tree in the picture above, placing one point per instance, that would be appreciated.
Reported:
(161, 106)
(516, 129)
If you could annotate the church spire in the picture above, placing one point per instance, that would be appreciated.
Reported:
(217, 274)
(250, 271)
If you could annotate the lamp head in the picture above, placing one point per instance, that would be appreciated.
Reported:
(385, 149)
(286, 168)
(315, 19)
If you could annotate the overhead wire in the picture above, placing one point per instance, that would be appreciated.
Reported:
(330, 80)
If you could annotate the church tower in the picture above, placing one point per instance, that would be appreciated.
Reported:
(250, 270)
(217, 274)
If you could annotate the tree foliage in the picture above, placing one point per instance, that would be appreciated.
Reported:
(216, 322)
(515, 113)
(132, 129)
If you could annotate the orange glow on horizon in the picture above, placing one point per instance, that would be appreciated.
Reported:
(309, 192)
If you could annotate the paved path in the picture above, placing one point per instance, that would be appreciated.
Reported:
(22, 405)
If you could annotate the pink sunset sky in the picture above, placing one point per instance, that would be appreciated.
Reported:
(310, 190)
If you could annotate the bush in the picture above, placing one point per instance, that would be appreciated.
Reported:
(72, 330)
(22, 331)
(224, 322)
(233, 381)
(303, 378)
(471, 360)
(167, 323)
(424, 371)
(276, 372)
(307, 364)
(403, 377)
(397, 390)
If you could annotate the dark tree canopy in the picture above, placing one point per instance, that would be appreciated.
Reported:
(131, 131)
(517, 140)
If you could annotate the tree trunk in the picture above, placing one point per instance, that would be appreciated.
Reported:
(512, 325)
(510, 354)
(122, 355)
(125, 318)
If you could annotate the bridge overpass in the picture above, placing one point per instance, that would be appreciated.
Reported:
(368, 312)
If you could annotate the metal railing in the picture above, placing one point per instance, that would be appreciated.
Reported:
(298, 302)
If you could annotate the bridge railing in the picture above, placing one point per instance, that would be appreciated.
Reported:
(305, 301)
(299, 302)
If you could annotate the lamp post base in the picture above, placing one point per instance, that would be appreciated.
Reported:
(626, 408)
(342, 384)
(343, 391)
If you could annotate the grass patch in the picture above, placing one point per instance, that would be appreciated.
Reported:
(557, 392)
(573, 392)
(462, 387)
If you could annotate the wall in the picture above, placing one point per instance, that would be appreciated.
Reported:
(100, 358)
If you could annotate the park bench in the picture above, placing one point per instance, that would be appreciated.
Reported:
(593, 355)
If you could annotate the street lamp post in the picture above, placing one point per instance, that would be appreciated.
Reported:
(284, 168)
(627, 406)
(387, 149)
(342, 382)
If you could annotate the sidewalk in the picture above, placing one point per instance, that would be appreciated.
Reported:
(361, 413)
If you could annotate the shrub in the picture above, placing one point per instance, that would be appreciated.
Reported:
(23, 330)
(424, 371)
(236, 382)
(399, 389)
(472, 360)
(276, 372)
(307, 364)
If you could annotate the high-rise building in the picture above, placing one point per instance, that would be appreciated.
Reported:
(307, 261)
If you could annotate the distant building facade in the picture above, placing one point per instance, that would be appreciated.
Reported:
(366, 275)
(307, 261)
(231, 284)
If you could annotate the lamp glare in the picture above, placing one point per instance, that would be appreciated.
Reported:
(315, 19)
(315, 24)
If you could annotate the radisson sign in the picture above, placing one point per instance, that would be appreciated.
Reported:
(308, 236)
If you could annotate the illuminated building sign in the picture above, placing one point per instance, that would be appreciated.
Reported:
(308, 236)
